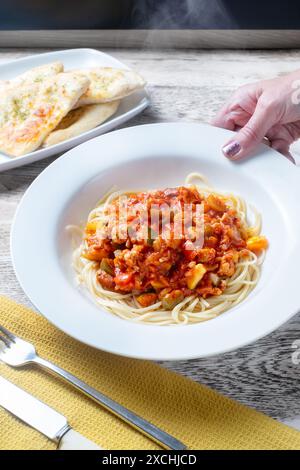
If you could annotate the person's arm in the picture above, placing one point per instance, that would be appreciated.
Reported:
(270, 108)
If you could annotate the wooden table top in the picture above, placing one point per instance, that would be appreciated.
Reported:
(190, 85)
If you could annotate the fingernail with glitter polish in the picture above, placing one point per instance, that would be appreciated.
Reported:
(232, 149)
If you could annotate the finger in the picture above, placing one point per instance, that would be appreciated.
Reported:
(251, 134)
(240, 118)
(233, 120)
(222, 119)
(283, 147)
(282, 136)
(241, 103)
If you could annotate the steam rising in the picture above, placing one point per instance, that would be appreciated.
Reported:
(176, 14)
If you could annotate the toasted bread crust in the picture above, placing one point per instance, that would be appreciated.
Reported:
(81, 120)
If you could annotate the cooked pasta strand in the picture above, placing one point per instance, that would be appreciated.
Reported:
(190, 310)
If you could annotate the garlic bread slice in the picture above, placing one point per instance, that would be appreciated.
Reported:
(80, 120)
(109, 84)
(29, 113)
(35, 75)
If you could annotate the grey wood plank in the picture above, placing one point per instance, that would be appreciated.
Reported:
(190, 85)
(171, 38)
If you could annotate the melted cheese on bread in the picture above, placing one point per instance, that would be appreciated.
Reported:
(35, 75)
(29, 113)
(109, 84)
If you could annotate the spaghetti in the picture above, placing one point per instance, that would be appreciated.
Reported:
(170, 280)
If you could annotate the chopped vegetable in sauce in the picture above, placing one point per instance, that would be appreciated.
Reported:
(168, 269)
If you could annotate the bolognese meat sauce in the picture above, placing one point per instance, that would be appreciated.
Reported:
(169, 268)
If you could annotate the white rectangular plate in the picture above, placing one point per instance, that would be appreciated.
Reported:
(72, 59)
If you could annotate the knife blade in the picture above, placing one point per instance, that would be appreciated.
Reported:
(42, 417)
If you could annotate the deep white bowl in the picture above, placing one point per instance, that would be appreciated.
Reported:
(156, 156)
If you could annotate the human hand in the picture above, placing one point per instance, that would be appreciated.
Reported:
(269, 108)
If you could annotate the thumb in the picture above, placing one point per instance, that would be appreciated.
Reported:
(249, 136)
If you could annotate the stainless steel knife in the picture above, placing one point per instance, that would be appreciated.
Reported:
(42, 418)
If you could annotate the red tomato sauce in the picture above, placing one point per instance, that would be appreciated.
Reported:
(169, 268)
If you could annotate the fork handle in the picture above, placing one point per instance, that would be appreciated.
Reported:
(150, 430)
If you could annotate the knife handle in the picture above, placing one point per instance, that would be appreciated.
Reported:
(73, 440)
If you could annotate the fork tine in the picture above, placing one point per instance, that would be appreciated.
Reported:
(7, 333)
(5, 340)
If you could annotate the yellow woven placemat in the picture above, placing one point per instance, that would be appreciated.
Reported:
(196, 415)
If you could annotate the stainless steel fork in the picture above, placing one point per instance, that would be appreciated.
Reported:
(16, 352)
